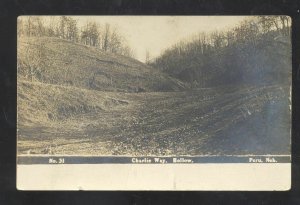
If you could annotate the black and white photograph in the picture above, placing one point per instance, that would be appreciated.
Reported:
(153, 89)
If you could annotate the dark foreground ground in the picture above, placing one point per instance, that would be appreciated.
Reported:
(216, 121)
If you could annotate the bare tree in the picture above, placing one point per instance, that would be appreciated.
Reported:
(63, 27)
(243, 54)
(147, 60)
(115, 41)
(90, 34)
(106, 36)
(72, 30)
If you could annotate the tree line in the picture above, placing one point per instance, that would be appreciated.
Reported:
(258, 50)
(105, 37)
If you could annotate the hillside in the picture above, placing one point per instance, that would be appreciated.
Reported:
(61, 62)
(64, 120)
(76, 100)
(252, 53)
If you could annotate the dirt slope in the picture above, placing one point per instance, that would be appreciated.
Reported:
(207, 121)
(58, 61)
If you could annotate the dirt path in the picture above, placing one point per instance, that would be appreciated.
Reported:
(204, 121)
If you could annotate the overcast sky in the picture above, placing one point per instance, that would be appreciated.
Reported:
(157, 33)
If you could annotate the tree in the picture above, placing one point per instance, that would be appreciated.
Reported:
(90, 34)
(147, 60)
(62, 27)
(72, 30)
(32, 26)
(244, 54)
(52, 26)
(115, 42)
(281, 24)
(286, 25)
(106, 36)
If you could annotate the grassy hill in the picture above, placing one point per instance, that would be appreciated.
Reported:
(61, 62)
(77, 100)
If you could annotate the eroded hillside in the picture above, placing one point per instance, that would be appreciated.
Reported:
(61, 62)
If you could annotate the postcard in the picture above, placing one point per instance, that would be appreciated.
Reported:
(154, 102)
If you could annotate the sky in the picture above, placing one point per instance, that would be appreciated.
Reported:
(157, 33)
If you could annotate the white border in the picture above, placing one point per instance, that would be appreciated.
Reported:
(175, 177)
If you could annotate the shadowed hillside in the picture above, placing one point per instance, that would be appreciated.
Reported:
(258, 51)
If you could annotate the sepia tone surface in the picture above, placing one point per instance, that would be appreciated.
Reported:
(222, 91)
